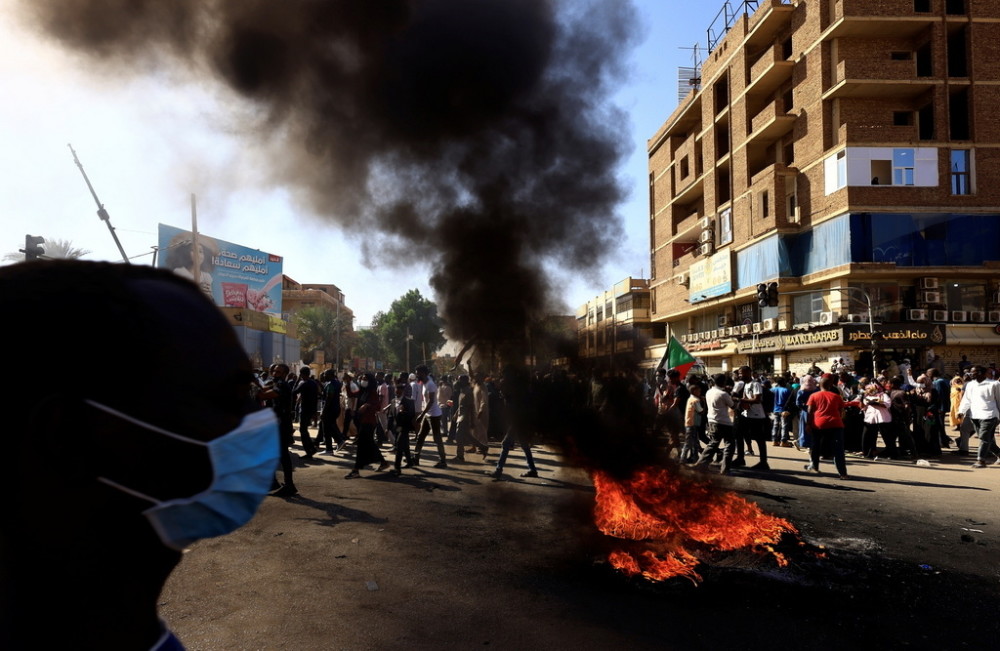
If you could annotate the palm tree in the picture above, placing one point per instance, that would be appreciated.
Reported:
(318, 328)
(55, 249)
(63, 249)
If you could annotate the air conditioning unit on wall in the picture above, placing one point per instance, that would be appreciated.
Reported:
(857, 318)
(931, 297)
(959, 316)
(939, 315)
(768, 325)
(977, 317)
(827, 318)
(929, 283)
(917, 315)
(706, 248)
(993, 316)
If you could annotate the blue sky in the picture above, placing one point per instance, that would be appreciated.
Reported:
(148, 143)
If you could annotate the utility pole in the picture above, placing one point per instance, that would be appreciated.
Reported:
(874, 336)
(408, 338)
(101, 212)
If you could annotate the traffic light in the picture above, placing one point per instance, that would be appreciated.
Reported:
(33, 247)
(762, 295)
(772, 294)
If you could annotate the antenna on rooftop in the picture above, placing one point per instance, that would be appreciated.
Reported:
(689, 79)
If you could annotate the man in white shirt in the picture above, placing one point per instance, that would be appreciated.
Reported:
(751, 419)
(429, 418)
(981, 397)
(720, 424)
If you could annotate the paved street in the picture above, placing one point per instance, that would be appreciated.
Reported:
(454, 560)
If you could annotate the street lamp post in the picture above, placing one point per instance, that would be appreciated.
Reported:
(873, 336)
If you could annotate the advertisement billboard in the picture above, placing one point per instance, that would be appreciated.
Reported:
(231, 274)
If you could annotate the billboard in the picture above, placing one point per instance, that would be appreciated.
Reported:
(710, 277)
(231, 274)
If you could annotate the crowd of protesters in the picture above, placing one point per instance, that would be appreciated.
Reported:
(830, 415)
(384, 419)
(376, 416)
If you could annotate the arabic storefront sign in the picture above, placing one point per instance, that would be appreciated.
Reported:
(233, 275)
(797, 341)
(711, 277)
(715, 345)
(897, 335)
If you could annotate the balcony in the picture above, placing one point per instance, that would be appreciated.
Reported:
(769, 72)
(691, 192)
(859, 74)
(770, 124)
(867, 19)
(897, 89)
(768, 21)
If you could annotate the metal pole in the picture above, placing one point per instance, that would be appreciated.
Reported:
(101, 212)
(868, 303)
(195, 248)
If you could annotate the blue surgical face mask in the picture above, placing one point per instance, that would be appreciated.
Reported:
(243, 465)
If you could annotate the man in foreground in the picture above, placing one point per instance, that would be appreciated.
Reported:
(112, 480)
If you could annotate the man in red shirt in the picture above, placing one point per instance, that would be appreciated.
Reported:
(824, 422)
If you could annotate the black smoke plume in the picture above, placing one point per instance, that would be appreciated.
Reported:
(476, 135)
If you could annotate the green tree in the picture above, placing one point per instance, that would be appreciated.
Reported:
(414, 315)
(369, 344)
(318, 328)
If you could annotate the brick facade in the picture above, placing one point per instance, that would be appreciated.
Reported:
(820, 152)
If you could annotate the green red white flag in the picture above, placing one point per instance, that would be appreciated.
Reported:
(677, 358)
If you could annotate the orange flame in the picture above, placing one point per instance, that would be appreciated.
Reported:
(673, 518)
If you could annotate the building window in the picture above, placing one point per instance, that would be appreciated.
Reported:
(925, 122)
(886, 299)
(959, 116)
(925, 60)
(902, 118)
(922, 6)
(961, 160)
(842, 169)
(791, 200)
(726, 226)
(902, 167)
(970, 297)
(954, 7)
(807, 308)
(901, 56)
(958, 64)
(765, 205)
(685, 168)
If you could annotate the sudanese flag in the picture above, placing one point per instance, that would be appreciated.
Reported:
(676, 357)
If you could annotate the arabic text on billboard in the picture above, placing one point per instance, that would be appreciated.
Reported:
(233, 275)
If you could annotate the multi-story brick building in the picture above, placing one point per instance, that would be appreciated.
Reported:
(848, 150)
(296, 295)
(615, 329)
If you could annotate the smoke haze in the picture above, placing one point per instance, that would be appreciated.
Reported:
(475, 135)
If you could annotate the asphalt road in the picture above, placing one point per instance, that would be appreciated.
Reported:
(899, 555)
